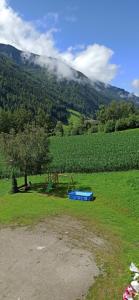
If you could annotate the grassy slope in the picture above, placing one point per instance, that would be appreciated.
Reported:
(114, 215)
(74, 119)
(96, 152)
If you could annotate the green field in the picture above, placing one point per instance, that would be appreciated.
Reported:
(96, 152)
(114, 216)
(74, 119)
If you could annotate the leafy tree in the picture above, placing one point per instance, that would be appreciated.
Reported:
(121, 124)
(27, 150)
(133, 121)
(6, 120)
(116, 110)
(101, 114)
(110, 126)
(59, 129)
(93, 129)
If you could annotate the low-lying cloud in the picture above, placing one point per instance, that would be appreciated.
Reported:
(135, 85)
(93, 60)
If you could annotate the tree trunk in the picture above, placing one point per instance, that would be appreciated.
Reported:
(26, 179)
(14, 184)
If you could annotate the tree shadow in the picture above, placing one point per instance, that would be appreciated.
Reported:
(59, 190)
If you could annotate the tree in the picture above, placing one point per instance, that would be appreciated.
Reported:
(28, 150)
(101, 114)
(59, 129)
(110, 126)
(116, 110)
(121, 124)
(14, 184)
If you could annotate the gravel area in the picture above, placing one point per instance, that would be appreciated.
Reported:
(49, 261)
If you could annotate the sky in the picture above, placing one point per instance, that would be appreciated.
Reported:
(97, 37)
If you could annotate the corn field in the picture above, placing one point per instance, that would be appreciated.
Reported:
(96, 152)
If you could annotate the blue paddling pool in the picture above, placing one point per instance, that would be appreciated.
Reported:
(79, 195)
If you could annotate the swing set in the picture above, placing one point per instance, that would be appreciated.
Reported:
(53, 180)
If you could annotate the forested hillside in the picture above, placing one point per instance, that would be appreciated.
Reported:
(25, 83)
(19, 88)
(31, 93)
(80, 94)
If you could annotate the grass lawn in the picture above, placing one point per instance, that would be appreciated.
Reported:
(114, 216)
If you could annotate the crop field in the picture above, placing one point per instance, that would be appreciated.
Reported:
(96, 152)
(113, 216)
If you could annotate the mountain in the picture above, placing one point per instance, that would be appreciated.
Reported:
(26, 82)
(115, 93)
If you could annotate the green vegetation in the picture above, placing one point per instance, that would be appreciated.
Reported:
(24, 95)
(31, 96)
(118, 116)
(74, 117)
(87, 153)
(96, 152)
(27, 85)
(73, 121)
(27, 151)
(30, 93)
(113, 216)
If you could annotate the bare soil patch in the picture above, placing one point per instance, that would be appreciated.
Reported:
(51, 261)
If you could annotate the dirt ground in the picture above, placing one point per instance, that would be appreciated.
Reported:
(50, 261)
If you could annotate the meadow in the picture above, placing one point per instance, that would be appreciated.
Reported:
(113, 216)
(96, 152)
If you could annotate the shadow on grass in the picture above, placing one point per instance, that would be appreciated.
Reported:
(59, 190)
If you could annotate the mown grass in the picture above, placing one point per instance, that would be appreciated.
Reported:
(114, 216)
(74, 119)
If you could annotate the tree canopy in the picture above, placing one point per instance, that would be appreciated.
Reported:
(116, 110)
(27, 150)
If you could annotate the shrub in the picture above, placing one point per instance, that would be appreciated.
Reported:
(93, 129)
(121, 124)
(101, 128)
(110, 126)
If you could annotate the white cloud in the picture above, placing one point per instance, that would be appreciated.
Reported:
(135, 85)
(57, 66)
(92, 60)
(23, 35)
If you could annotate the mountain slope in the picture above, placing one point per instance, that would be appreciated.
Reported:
(23, 82)
(115, 93)
(18, 88)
